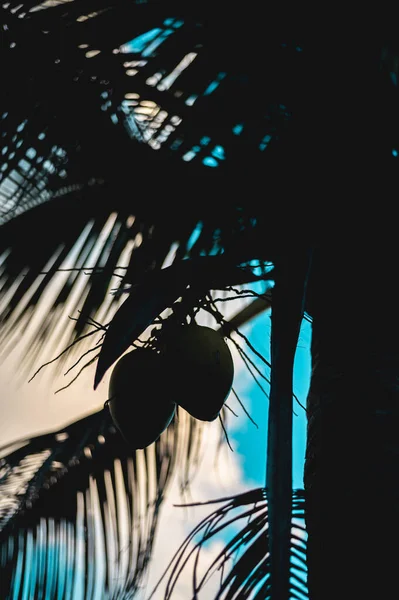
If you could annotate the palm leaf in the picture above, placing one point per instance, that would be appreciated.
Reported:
(82, 174)
(84, 178)
(70, 507)
(243, 565)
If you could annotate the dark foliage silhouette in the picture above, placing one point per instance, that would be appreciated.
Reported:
(150, 152)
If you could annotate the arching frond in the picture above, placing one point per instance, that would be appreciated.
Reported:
(241, 568)
(123, 109)
(78, 508)
(109, 109)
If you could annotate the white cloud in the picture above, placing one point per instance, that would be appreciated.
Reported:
(212, 481)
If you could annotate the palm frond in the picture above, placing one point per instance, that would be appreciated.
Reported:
(87, 263)
(242, 568)
(155, 43)
(119, 92)
(79, 508)
(55, 155)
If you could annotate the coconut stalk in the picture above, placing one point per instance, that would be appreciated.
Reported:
(288, 307)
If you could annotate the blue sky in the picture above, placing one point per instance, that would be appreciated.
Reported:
(250, 442)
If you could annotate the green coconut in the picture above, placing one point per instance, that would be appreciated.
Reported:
(139, 406)
(201, 369)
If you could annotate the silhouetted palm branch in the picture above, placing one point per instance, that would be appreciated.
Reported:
(79, 508)
(243, 565)
(87, 176)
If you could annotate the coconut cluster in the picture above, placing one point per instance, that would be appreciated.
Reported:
(193, 369)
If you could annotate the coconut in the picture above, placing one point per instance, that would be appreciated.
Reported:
(201, 368)
(139, 407)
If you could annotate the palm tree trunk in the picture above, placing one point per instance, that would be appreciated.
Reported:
(352, 456)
